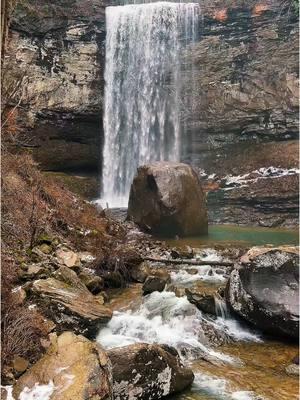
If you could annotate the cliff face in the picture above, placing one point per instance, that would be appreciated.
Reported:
(245, 85)
(243, 91)
(57, 49)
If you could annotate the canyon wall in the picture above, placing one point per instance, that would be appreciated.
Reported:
(244, 92)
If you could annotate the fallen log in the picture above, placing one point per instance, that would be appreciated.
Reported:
(190, 262)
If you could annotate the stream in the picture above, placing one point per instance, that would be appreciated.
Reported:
(244, 365)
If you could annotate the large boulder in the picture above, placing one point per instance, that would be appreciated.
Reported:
(147, 371)
(73, 368)
(67, 301)
(265, 290)
(167, 199)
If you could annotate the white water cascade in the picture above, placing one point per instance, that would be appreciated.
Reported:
(142, 89)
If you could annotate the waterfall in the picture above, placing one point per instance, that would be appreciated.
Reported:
(142, 89)
(221, 307)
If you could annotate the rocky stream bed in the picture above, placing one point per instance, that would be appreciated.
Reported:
(176, 327)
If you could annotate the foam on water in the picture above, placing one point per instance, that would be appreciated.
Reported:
(205, 273)
(37, 392)
(166, 319)
(236, 330)
(209, 255)
(214, 386)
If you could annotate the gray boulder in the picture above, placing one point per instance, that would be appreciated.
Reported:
(167, 199)
(265, 290)
(147, 371)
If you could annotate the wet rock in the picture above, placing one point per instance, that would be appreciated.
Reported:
(203, 301)
(67, 301)
(153, 284)
(145, 371)
(179, 291)
(72, 368)
(264, 291)
(166, 198)
(100, 298)
(141, 273)
(93, 282)
(161, 273)
(272, 200)
(184, 252)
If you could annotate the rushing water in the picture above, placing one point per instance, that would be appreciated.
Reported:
(142, 89)
(249, 367)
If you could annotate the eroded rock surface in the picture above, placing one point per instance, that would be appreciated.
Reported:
(265, 290)
(66, 300)
(147, 371)
(166, 198)
(57, 50)
(73, 368)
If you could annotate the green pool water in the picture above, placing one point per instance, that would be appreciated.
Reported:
(242, 236)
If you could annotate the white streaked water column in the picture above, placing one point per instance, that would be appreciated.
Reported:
(142, 89)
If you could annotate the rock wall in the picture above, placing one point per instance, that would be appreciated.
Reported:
(245, 77)
(57, 49)
(241, 92)
(245, 84)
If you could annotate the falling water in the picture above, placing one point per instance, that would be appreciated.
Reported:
(221, 307)
(142, 89)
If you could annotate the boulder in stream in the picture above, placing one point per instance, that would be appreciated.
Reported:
(154, 284)
(147, 371)
(167, 199)
(265, 290)
(73, 368)
(203, 301)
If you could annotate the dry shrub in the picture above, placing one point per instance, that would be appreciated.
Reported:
(24, 213)
(21, 329)
(33, 204)
(117, 265)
